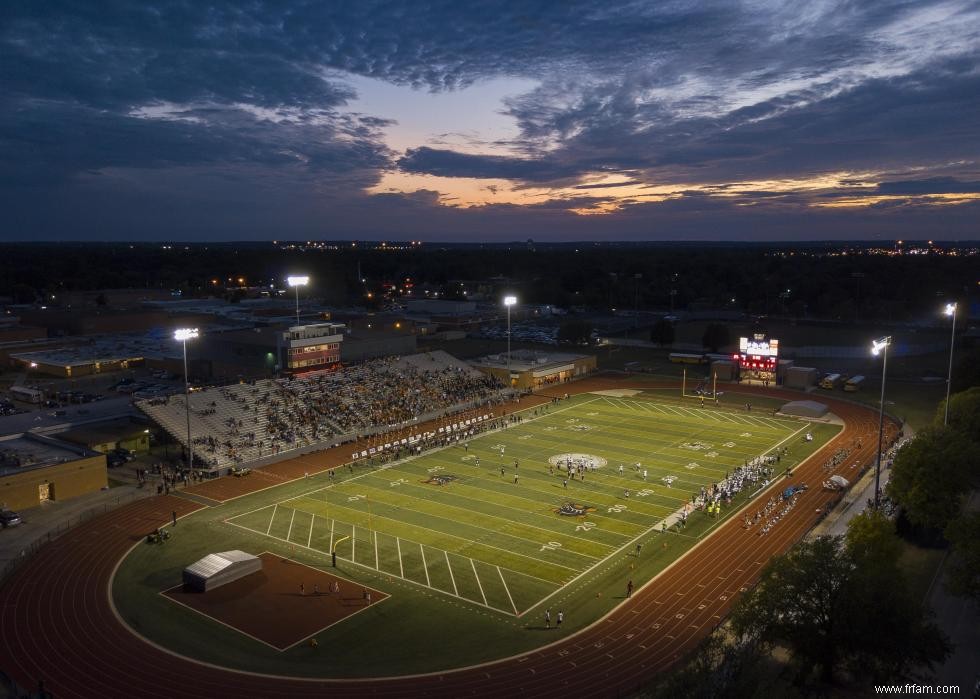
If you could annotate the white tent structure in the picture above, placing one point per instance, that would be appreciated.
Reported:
(217, 569)
(836, 483)
(804, 408)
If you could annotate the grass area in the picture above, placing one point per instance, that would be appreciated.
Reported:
(478, 557)
(914, 401)
(920, 565)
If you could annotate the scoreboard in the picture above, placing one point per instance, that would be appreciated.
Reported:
(757, 357)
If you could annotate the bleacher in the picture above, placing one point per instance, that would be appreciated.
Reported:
(238, 424)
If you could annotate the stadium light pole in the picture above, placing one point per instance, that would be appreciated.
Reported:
(183, 335)
(508, 302)
(296, 283)
(950, 311)
(880, 346)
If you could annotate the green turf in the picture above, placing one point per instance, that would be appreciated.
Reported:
(512, 528)
(479, 558)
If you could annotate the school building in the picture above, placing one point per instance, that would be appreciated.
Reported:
(35, 468)
(526, 369)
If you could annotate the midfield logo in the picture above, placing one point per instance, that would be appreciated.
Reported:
(574, 509)
(440, 479)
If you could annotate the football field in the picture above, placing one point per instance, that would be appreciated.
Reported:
(469, 522)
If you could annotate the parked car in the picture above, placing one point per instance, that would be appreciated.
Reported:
(8, 518)
(124, 454)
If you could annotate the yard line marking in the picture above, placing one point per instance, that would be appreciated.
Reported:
(289, 532)
(690, 412)
(425, 565)
(709, 414)
(479, 584)
(451, 576)
(332, 522)
(471, 541)
(408, 580)
(353, 540)
(759, 421)
(507, 590)
(275, 507)
(671, 409)
(309, 539)
(395, 464)
(401, 566)
(376, 564)
(730, 419)
(407, 493)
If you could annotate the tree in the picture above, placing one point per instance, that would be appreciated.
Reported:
(662, 332)
(718, 668)
(964, 413)
(963, 573)
(575, 331)
(871, 539)
(715, 336)
(838, 606)
(966, 370)
(795, 605)
(930, 475)
(886, 633)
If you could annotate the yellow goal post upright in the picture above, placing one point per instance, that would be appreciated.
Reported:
(714, 387)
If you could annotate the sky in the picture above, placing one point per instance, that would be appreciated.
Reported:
(441, 120)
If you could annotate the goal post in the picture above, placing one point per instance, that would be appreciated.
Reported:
(704, 394)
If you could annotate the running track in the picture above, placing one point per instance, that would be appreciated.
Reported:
(58, 624)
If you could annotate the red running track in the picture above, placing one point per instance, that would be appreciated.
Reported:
(58, 624)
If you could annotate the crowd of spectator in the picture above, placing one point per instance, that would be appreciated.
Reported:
(240, 423)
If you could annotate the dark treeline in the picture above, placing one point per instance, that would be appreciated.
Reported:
(799, 281)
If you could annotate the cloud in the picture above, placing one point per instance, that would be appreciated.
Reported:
(447, 163)
(933, 185)
(713, 98)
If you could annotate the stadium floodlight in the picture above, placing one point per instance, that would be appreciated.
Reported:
(880, 346)
(183, 335)
(296, 282)
(950, 310)
(508, 302)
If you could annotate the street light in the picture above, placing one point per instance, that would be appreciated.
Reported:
(880, 346)
(508, 302)
(950, 311)
(183, 335)
(296, 283)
